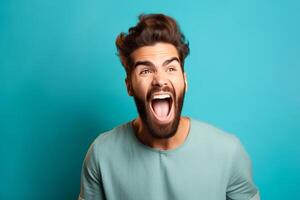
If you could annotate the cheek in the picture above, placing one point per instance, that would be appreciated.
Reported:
(140, 88)
(178, 83)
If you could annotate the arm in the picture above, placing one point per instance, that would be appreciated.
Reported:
(241, 185)
(91, 187)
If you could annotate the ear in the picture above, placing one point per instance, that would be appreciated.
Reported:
(185, 81)
(128, 86)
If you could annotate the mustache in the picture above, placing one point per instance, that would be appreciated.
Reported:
(156, 89)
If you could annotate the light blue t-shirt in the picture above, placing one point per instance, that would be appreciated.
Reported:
(209, 165)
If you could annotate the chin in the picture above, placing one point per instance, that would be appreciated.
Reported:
(165, 131)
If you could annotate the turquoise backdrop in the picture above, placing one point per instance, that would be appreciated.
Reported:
(61, 84)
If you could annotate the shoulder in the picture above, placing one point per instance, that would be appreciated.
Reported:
(112, 137)
(111, 142)
(227, 152)
(214, 138)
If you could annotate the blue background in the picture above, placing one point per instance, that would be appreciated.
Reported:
(61, 84)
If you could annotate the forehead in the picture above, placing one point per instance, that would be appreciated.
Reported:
(156, 53)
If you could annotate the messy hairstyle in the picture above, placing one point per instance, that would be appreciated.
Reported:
(150, 29)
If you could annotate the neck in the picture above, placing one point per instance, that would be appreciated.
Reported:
(173, 142)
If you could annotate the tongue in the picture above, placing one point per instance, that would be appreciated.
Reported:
(161, 108)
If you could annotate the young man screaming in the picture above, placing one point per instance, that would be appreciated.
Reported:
(162, 155)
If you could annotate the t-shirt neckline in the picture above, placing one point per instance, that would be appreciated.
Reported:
(179, 148)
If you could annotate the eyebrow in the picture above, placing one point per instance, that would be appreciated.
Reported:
(150, 64)
(171, 60)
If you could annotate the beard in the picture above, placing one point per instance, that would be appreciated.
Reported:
(159, 131)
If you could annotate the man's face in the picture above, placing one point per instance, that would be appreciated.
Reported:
(158, 85)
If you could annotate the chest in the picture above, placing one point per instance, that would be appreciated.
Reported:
(165, 176)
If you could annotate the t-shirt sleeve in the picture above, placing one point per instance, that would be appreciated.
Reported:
(91, 187)
(241, 185)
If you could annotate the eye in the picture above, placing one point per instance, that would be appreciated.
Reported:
(171, 69)
(145, 72)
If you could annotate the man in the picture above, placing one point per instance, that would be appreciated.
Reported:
(161, 154)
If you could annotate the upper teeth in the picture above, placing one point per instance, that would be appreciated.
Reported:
(161, 96)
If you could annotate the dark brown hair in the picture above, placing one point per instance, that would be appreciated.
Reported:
(151, 28)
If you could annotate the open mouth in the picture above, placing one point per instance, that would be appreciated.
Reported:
(161, 106)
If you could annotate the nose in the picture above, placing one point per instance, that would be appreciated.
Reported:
(159, 80)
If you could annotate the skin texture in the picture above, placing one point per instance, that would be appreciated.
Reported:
(158, 71)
